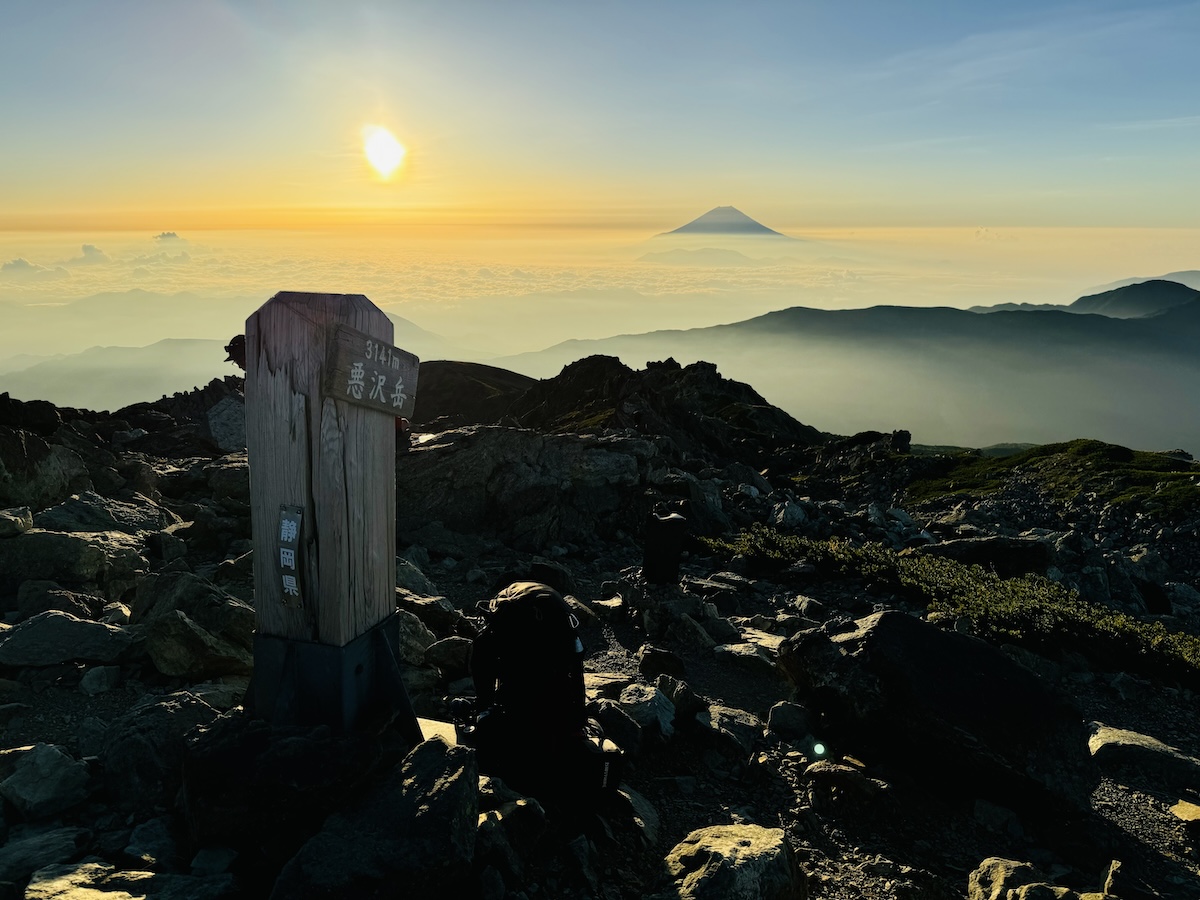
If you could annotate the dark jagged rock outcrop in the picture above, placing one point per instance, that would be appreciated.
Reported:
(702, 413)
(462, 393)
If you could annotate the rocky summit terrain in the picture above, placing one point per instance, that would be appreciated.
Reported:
(885, 671)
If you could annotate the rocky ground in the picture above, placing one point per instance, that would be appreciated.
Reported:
(791, 727)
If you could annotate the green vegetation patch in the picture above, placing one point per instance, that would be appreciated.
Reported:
(1030, 611)
(1105, 473)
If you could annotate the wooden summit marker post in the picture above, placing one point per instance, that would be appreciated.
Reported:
(324, 386)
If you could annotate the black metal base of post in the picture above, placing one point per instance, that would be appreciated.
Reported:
(307, 683)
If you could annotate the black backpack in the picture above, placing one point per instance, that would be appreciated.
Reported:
(527, 661)
(531, 726)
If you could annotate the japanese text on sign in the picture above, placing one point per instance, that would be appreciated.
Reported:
(368, 372)
(290, 519)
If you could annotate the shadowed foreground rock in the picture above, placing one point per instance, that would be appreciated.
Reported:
(417, 829)
(948, 707)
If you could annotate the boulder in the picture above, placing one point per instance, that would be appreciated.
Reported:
(142, 751)
(14, 521)
(35, 597)
(209, 607)
(417, 829)
(180, 648)
(535, 489)
(54, 637)
(100, 680)
(90, 512)
(36, 474)
(437, 613)
(723, 862)
(97, 879)
(451, 656)
(227, 423)
(153, 846)
(229, 478)
(107, 561)
(1114, 748)
(20, 857)
(789, 721)
(414, 638)
(46, 780)
(730, 731)
(650, 708)
(410, 577)
(1006, 879)
(994, 730)
(654, 661)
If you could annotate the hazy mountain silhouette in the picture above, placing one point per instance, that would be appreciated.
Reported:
(113, 377)
(726, 220)
(1146, 298)
(1189, 277)
(1141, 298)
(950, 376)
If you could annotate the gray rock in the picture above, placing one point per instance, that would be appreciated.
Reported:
(17, 520)
(21, 857)
(995, 730)
(789, 721)
(650, 708)
(229, 478)
(747, 657)
(100, 680)
(153, 846)
(109, 561)
(417, 829)
(450, 656)
(46, 780)
(654, 661)
(36, 474)
(414, 638)
(645, 817)
(412, 579)
(98, 879)
(142, 753)
(213, 860)
(788, 515)
(180, 648)
(54, 637)
(1000, 879)
(536, 489)
(227, 424)
(735, 861)
(35, 597)
(437, 613)
(1115, 747)
(208, 606)
(731, 731)
(90, 512)
(687, 704)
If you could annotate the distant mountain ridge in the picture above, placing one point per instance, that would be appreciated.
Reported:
(949, 376)
(727, 220)
(1131, 301)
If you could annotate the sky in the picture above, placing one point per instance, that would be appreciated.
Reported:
(154, 116)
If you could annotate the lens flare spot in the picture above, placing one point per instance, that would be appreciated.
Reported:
(383, 151)
(819, 749)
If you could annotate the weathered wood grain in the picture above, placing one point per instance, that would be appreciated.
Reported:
(331, 457)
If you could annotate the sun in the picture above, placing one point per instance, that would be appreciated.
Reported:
(384, 152)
